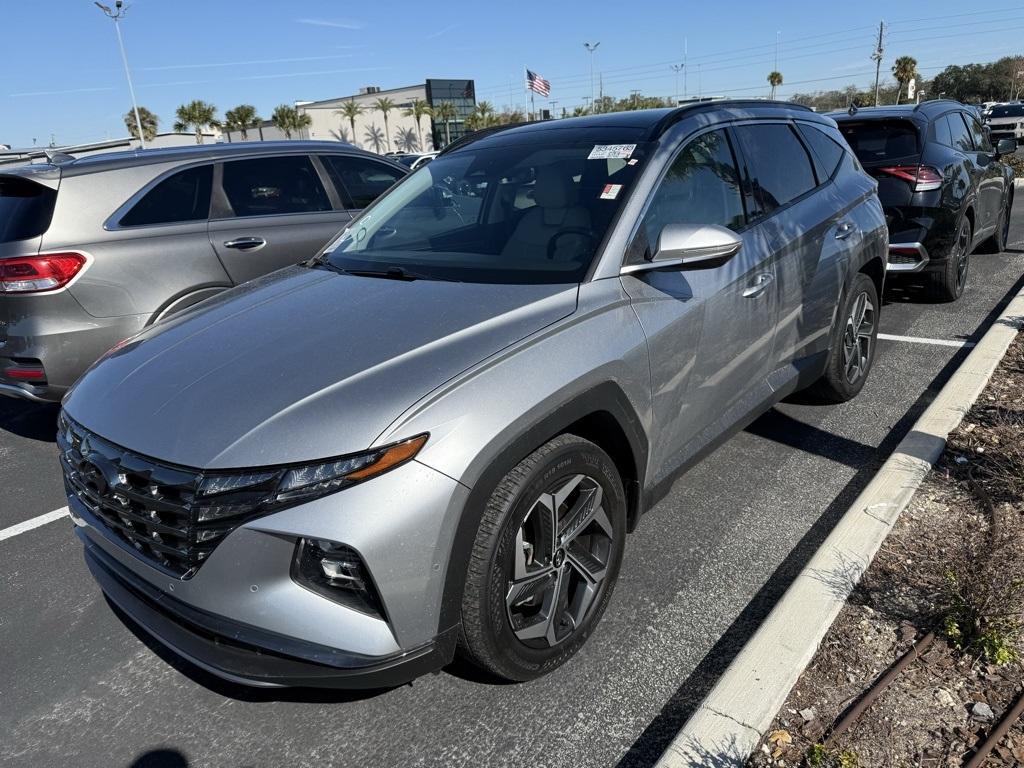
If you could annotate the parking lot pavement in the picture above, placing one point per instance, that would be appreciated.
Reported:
(79, 687)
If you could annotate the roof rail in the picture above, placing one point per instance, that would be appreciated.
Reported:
(483, 133)
(936, 101)
(686, 110)
(56, 157)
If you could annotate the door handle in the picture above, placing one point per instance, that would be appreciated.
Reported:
(245, 243)
(760, 284)
(844, 230)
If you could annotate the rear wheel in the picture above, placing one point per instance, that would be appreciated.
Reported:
(997, 243)
(545, 560)
(852, 352)
(947, 283)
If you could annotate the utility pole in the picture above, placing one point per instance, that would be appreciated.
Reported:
(877, 57)
(117, 16)
(677, 68)
(591, 47)
(685, 71)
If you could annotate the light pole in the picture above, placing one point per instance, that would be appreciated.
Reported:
(117, 15)
(591, 47)
(677, 68)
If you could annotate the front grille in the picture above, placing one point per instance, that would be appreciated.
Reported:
(903, 258)
(148, 506)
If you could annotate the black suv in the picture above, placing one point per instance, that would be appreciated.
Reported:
(941, 184)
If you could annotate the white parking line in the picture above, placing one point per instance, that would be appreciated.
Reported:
(35, 522)
(922, 340)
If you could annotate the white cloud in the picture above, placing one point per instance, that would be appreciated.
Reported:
(244, 63)
(336, 23)
(58, 93)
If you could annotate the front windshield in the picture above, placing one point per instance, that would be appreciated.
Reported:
(530, 211)
(1008, 110)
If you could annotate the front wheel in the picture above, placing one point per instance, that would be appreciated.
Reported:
(854, 337)
(545, 560)
(947, 282)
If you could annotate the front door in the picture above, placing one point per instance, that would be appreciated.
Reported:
(710, 331)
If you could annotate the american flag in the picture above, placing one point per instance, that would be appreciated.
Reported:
(537, 84)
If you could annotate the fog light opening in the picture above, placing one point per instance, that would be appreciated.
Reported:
(337, 572)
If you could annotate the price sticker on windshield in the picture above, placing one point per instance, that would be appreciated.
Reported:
(611, 151)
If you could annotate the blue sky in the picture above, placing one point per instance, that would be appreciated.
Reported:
(63, 76)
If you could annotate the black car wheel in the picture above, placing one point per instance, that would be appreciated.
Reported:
(545, 560)
(947, 282)
(852, 349)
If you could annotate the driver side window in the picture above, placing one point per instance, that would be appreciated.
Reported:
(701, 187)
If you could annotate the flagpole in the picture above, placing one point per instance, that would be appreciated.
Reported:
(526, 95)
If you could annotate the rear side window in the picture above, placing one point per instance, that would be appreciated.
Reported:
(874, 140)
(268, 186)
(780, 168)
(364, 179)
(183, 196)
(960, 136)
(827, 152)
(25, 208)
(942, 134)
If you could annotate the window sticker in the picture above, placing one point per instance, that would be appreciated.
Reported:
(608, 151)
(611, 191)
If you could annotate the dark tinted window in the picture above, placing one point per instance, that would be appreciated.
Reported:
(874, 140)
(981, 141)
(272, 185)
(183, 196)
(960, 136)
(827, 153)
(25, 208)
(1007, 110)
(364, 179)
(701, 187)
(942, 134)
(780, 168)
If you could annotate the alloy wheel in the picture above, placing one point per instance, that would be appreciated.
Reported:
(559, 562)
(858, 337)
(962, 256)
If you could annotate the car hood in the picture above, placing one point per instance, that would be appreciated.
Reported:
(301, 365)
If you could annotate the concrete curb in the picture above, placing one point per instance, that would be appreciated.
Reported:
(728, 725)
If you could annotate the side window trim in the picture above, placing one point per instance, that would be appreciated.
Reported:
(333, 193)
(810, 150)
(113, 222)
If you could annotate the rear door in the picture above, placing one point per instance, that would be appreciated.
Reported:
(270, 212)
(990, 178)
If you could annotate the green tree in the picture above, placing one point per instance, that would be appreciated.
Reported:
(197, 115)
(149, 123)
(774, 80)
(482, 117)
(350, 110)
(417, 110)
(241, 119)
(904, 69)
(384, 105)
(289, 120)
(446, 112)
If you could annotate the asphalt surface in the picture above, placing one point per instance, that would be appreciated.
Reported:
(79, 687)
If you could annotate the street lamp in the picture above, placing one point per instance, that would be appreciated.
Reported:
(677, 68)
(117, 15)
(591, 47)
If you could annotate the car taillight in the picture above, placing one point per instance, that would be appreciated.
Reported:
(922, 177)
(34, 274)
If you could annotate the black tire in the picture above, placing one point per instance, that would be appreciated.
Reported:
(488, 638)
(997, 243)
(947, 283)
(838, 384)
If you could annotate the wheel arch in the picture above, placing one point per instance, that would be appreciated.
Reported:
(603, 415)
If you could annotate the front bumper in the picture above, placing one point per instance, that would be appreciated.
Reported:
(250, 655)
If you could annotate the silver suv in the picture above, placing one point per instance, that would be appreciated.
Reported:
(94, 249)
(437, 434)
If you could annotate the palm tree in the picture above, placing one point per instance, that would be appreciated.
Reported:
(446, 111)
(241, 119)
(417, 110)
(375, 137)
(149, 123)
(350, 110)
(580, 111)
(384, 105)
(482, 117)
(289, 120)
(774, 80)
(197, 115)
(904, 70)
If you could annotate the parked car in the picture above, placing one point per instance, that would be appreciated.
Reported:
(1006, 121)
(94, 249)
(942, 184)
(436, 435)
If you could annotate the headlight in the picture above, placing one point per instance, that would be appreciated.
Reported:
(230, 494)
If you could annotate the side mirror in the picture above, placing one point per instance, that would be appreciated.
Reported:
(1006, 147)
(690, 246)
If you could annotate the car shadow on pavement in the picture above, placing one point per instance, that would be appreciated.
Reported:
(659, 733)
(34, 421)
(160, 758)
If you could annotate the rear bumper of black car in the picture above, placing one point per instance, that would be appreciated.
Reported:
(931, 230)
(249, 655)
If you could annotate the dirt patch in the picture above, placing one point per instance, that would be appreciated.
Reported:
(953, 565)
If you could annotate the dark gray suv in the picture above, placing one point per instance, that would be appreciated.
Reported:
(94, 249)
(437, 434)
